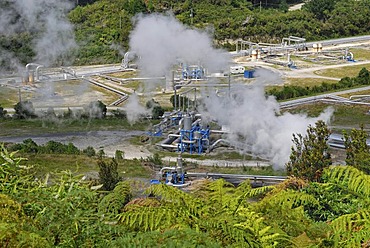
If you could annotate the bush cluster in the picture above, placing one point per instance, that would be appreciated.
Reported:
(293, 91)
(51, 147)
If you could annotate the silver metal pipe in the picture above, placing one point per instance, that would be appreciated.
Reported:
(38, 72)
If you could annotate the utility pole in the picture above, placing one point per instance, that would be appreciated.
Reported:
(260, 5)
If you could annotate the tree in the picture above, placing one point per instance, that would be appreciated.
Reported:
(157, 110)
(108, 174)
(363, 77)
(357, 150)
(309, 154)
(89, 151)
(320, 8)
(24, 109)
(96, 109)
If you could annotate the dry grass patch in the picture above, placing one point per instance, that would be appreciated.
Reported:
(345, 71)
(307, 82)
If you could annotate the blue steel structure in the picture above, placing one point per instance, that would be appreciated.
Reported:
(194, 140)
(191, 72)
(171, 120)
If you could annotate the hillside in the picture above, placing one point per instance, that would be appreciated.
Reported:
(101, 28)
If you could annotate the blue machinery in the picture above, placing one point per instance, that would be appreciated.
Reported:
(169, 120)
(192, 72)
(174, 176)
(193, 138)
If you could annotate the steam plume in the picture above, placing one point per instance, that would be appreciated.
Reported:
(134, 109)
(160, 40)
(256, 124)
(46, 21)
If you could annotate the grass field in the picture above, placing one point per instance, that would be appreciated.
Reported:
(346, 71)
(81, 164)
(360, 54)
(10, 127)
(8, 97)
(345, 117)
(307, 82)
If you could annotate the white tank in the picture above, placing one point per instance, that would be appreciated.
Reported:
(314, 46)
(254, 55)
(187, 123)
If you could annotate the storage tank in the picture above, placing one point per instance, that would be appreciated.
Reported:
(314, 46)
(187, 123)
(254, 55)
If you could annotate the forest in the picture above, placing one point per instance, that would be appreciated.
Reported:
(102, 28)
(319, 205)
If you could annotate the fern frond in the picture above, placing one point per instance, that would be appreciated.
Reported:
(349, 177)
(150, 219)
(259, 191)
(183, 201)
(288, 199)
(221, 193)
(352, 230)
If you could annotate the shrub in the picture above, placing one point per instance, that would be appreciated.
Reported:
(108, 174)
(89, 151)
(24, 109)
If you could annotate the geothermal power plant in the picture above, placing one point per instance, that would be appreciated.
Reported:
(218, 96)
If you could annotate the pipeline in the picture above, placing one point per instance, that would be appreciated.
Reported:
(211, 147)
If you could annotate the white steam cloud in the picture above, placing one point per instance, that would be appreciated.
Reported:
(256, 124)
(161, 40)
(134, 109)
(46, 20)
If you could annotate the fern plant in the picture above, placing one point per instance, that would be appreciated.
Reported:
(220, 214)
(350, 178)
(351, 230)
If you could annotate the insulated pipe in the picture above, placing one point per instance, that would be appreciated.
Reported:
(167, 146)
(37, 67)
(358, 96)
(31, 64)
(38, 71)
(215, 143)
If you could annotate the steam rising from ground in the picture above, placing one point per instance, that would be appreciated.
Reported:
(256, 125)
(161, 40)
(47, 19)
(134, 109)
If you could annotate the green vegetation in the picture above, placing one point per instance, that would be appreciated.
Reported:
(346, 71)
(309, 155)
(357, 150)
(55, 157)
(24, 110)
(344, 116)
(305, 82)
(293, 91)
(8, 97)
(361, 54)
(39, 126)
(324, 207)
(102, 28)
(230, 19)
(3, 112)
(157, 110)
